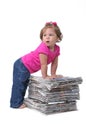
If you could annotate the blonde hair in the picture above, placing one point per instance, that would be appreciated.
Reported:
(55, 27)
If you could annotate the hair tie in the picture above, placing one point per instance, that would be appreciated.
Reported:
(52, 23)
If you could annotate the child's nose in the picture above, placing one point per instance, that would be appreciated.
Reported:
(47, 36)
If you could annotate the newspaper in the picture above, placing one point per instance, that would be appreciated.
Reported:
(53, 95)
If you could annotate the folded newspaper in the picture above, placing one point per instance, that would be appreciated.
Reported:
(53, 95)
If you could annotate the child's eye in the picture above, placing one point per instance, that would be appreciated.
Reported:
(50, 35)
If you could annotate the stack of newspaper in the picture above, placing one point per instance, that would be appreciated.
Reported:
(53, 95)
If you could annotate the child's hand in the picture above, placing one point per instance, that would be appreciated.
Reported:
(57, 76)
(48, 77)
(53, 76)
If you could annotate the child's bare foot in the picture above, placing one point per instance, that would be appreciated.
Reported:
(22, 106)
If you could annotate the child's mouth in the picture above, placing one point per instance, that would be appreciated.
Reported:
(47, 41)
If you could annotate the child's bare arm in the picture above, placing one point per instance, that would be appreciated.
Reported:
(54, 66)
(43, 62)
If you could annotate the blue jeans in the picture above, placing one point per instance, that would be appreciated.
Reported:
(21, 77)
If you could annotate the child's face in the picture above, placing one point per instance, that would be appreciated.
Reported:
(49, 37)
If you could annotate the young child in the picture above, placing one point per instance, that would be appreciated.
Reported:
(47, 52)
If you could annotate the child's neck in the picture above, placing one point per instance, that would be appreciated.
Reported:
(52, 48)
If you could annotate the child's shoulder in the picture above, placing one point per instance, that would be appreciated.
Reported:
(57, 46)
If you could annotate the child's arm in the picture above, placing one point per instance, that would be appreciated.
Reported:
(43, 62)
(54, 66)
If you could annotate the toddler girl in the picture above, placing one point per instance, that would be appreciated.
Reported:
(47, 52)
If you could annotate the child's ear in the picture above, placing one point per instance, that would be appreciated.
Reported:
(58, 40)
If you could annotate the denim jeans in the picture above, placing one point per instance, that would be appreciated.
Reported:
(21, 77)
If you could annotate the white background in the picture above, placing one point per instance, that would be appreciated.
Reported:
(20, 25)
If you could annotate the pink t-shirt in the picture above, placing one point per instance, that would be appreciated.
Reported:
(32, 61)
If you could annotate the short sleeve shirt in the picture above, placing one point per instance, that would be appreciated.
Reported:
(32, 61)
